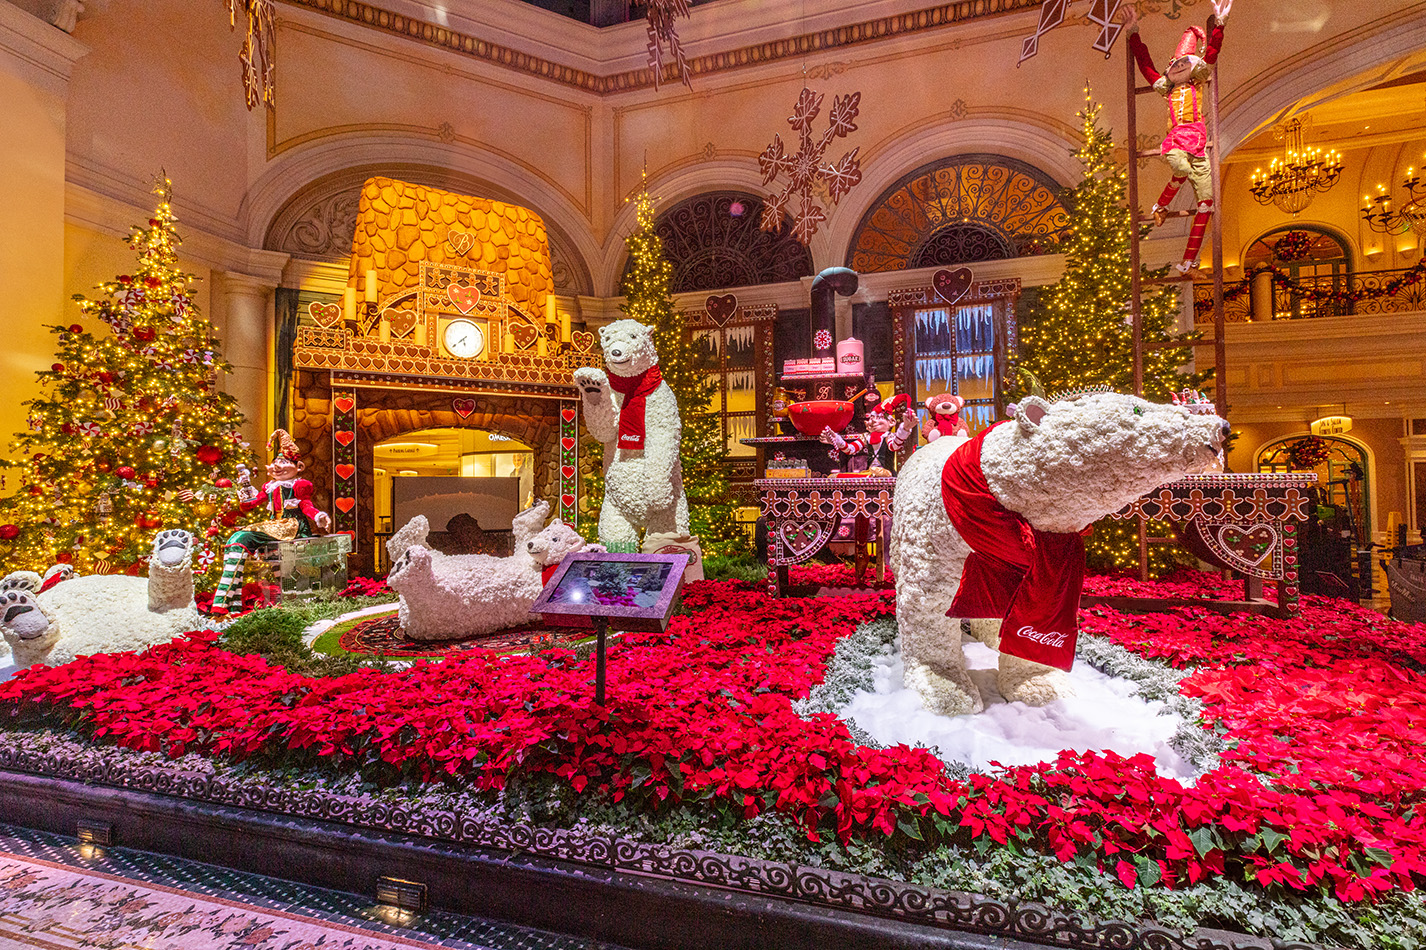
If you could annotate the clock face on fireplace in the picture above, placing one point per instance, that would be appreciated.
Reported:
(463, 339)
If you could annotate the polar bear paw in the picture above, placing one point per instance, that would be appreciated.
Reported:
(954, 695)
(1034, 688)
(20, 614)
(591, 381)
(172, 546)
(21, 580)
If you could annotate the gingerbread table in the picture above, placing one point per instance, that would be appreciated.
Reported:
(1245, 523)
(803, 513)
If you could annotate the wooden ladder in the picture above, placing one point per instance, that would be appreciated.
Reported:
(1137, 281)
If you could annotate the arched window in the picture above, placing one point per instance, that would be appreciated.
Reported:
(1312, 258)
(713, 241)
(958, 211)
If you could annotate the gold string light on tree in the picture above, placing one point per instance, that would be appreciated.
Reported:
(130, 417)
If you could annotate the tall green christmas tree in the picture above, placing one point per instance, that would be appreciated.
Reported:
(129, 418)
(1076, 332)
(704, 453)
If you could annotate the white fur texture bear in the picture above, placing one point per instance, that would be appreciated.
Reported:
(450, 596)
(102, 614)
(1062, 466)
(643, 488)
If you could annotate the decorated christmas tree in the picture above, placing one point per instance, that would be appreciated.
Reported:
(1076, 332)
(704, 453)
(129, 418)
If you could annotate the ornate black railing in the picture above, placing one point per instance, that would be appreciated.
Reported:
(1340, 295)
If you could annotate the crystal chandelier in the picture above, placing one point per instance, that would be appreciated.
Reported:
(1411, 216)
(1292, 181)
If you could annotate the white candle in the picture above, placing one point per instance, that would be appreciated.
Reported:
(420, 334)
(564, 328)
(383, 330)
(370, 296)
(349, 303)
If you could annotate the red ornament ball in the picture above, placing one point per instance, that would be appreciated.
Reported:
(125, 279)
(106, 377)
(57, 367)
(9, 532)
(223, 482)
(209, 454)
(153, 522)
(152, 281)
(64, 557)
(153, 222)
(144, 334)
(75, 328)
(125, 471)
(103, 465)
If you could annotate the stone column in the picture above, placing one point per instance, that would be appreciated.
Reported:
(246, 331)
(35, 64)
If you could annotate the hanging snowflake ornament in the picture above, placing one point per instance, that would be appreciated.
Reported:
(1052, 14)
(805, 170)
(661, 14)
(257, 54)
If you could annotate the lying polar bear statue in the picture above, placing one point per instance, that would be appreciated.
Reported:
(105, 613)
(450, 596)
(1024, 490)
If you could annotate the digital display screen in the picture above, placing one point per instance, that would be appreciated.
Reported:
(612, 584)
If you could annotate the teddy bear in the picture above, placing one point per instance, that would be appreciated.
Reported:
(943, 417)
(451, 596)
(988, 530)
(632, 411)
(107, 613)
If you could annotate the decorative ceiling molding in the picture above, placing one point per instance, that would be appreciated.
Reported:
(902, 24)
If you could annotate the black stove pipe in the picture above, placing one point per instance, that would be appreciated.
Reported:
(825, 287)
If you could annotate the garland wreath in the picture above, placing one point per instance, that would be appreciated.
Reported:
(1408, 278)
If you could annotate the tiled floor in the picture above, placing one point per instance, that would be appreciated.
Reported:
(57, 894)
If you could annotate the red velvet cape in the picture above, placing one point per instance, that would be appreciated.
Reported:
(1029, 577)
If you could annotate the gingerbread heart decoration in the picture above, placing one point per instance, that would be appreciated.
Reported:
(721, 309)
(345, 471)
(345, 505)
(567, 415)
(460, 241)
(801, 540)
(583, 340)
(567, 500)
(344, 403)
(463, 407)
(1253, 545)
(402, 321)
(344, 437)
(464, 296)
(525, 335)
(327, 315)
(952, 285)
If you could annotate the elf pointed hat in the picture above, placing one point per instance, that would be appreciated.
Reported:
(1188, 43)
(282, 446)
(894, 406)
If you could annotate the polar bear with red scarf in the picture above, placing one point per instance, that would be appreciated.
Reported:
(634, 413)
(989, 529)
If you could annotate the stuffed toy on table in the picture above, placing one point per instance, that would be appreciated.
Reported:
(883, 430)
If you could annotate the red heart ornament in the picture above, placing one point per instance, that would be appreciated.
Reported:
(344, 437)
(463, 296)
(345, 505)
(567, 415)
(567, 500)
(567, 471)
(326, 314)
(525, 335)
(463, 407)
(952, 285)
(345, 471)
(344, 403)
(568, 443)
(721, 309)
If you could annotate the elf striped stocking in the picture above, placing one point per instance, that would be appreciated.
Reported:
(229, 592)
(1195, 235)
(1162, 205)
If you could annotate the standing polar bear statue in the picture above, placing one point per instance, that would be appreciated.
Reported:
(990, 527)
(103, 613)
(634, 413)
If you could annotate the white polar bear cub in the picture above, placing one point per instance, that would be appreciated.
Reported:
(635, 415)
(104, 613)
(1060, 465)
(450, 596)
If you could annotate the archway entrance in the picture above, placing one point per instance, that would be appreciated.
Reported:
(467, 482)
(1334, 540)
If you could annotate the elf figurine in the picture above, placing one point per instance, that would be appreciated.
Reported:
(1185, 146)
(943, 417)
(882, 430)
(287, 501)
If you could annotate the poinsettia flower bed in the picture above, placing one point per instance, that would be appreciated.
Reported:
(1320, 790)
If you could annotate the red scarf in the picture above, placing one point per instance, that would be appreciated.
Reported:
(635, 390)
(1031, 578)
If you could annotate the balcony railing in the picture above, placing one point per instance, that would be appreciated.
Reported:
(1332, 295)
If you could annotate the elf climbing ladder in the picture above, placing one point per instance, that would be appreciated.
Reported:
(1207, 102)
